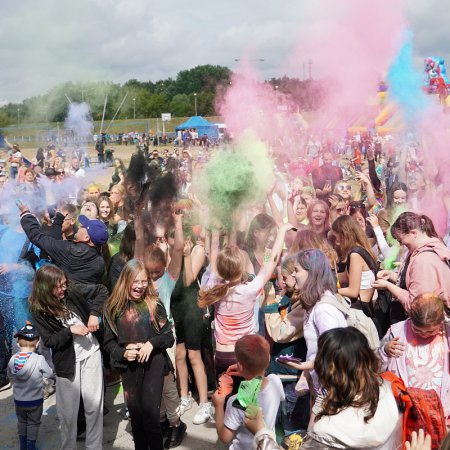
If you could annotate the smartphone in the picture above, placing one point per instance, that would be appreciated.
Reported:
(288, 358)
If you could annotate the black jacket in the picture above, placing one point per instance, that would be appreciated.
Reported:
(80, 261)
(59, 338)
(160, 342)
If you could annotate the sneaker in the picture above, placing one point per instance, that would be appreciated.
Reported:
(185, 404)
(4, 385)
(203, 414)
(175, 435)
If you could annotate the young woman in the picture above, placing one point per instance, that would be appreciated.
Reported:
(225, 287)
(117, 196)
(260, 237)
(359, 410)
(417, 349)
(315, 281)
(190, 324)
(425, 268)
(105, 209)
(61, 315)
(319, 217)
(360, 262)
(137, 334)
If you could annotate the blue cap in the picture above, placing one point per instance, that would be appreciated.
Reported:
(28, 332)
(96, 229)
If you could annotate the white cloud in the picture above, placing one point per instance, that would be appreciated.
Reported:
(51, 41)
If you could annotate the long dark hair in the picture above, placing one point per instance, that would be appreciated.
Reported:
(261, 221)
(397, 186)
(408, 221)
(348, 370)
(321, 277)
(42, 300)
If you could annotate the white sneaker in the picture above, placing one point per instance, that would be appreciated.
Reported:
(203, 414)
(185, 404)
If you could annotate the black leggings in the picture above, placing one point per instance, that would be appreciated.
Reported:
(143, 385)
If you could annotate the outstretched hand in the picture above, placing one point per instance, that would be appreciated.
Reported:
(22, 207)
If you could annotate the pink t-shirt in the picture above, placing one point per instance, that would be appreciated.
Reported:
(425, 360)
(233, 314)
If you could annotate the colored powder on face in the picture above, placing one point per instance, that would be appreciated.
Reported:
(405, 83)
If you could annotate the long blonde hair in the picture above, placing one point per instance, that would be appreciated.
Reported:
(230, 265)
(120, 296)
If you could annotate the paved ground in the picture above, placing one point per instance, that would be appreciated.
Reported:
(117, 432)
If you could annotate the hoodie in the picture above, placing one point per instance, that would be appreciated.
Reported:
(28, 388)
(427, 271)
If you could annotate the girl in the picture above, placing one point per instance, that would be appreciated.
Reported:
(359, 409)
(190, 325)
(137, 335)
(105, 211)
(360, 262)
(417, 348)
(61, 315)
(425, 268)
(314, 282)
(319, 217)
(225, 286)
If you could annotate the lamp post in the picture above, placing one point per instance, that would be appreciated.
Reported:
(18, 116)
(134, 108)
(195, 102)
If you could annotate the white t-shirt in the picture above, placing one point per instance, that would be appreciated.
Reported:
(84, 346)
(269, 400)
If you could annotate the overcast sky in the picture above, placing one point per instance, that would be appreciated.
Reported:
(47, 42)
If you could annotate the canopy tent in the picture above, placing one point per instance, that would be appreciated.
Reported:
(201, 125)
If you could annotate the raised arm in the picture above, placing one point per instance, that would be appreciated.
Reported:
(178, 246)
(276, 252)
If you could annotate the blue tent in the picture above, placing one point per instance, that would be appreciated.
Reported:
(202, 126)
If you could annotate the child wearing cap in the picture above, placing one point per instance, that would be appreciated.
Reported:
(28, 371)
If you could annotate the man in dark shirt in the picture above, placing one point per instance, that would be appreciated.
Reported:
(326, 176)
(81, 258)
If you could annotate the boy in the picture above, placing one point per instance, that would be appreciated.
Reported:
(253, 356)
(28, 370)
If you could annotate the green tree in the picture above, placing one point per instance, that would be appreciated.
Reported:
(181, 105)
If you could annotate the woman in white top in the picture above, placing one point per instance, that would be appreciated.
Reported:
(315, 283)
(359, 410)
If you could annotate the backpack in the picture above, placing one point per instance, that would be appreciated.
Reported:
(421, 409)
(355, 318)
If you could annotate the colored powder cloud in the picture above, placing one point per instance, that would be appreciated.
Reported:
(235, 177)
(405, 83)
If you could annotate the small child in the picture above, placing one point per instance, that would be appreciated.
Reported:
(253, 357)
(28, 371)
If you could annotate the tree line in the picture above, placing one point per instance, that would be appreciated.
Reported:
(201, 85)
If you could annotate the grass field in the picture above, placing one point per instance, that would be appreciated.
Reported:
(31, 135)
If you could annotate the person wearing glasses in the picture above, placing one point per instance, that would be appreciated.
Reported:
(61, 314)
(137, 335)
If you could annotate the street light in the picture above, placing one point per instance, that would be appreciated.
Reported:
(18, 116)
(195, 102)
(134, 108)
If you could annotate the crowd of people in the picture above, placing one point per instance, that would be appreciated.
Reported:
(279, 325)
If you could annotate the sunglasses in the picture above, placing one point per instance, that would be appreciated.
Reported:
(343, 187)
